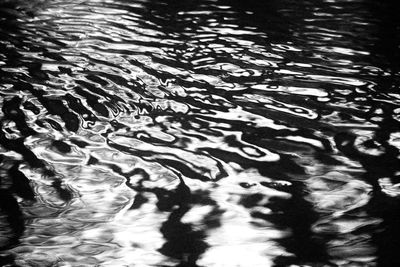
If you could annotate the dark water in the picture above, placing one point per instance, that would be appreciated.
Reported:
(199, 133)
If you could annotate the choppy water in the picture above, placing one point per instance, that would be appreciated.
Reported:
(199, 133)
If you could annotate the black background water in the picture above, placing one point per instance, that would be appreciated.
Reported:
(199, 133)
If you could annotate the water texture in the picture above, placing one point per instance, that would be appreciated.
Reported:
(199, 133)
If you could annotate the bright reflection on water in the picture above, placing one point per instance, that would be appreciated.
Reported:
(199, 133)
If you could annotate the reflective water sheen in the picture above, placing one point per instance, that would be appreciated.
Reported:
(199, 133)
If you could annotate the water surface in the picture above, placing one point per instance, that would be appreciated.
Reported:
(199, 133)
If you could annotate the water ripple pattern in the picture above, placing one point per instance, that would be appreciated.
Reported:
(199, 133)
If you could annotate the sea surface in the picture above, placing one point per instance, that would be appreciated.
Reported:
(225, 133)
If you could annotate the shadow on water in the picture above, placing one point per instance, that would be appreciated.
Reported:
(184, 242)
(385, 53)
(12, 181)
(385, 49)
(297, 216)
(15, 187)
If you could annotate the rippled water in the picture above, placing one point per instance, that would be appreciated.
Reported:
(199, 133)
